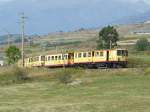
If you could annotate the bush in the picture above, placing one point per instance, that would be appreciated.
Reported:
(13, 75)
(69, 75)
(147, 71)
(21, 74)
(142, 45)
(65, 76)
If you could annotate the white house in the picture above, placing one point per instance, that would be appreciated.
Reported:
(1, 63)
(147, 22)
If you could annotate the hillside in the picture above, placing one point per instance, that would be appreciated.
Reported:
(86, 38)
(137, 18)
(82, 39)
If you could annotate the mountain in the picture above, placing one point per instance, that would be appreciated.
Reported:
(14, 38)
(138, 18)
(45, 16)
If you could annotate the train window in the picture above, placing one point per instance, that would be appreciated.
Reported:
(97, 54)
(101, 54)
(89, 54)
(125, 53)
(49, 58)
(42, 58)
(59, 57)
(122, 53)
(66, 56)
(84, 55)
(63, 57)
(119, 53)
(75, 55)
(56, 57)
(79, 55)
(52, 57)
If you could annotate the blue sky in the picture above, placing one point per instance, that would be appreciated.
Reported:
(45, 16)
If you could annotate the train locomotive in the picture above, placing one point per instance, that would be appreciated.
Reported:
(113, 58)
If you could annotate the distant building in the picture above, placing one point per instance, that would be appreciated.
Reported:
(1, 63)
(147, 22)
(142, 32)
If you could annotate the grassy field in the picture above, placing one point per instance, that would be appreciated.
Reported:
(125, 90)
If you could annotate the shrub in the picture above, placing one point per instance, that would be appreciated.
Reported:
(13, 75)
(147, 71)
(20, 74)
(142, 45)
(65, 76)
(69, 75)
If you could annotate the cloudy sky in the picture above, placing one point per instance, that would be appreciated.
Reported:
(45, 16)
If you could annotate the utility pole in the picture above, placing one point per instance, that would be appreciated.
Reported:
(110, 44)
(63, 57)
(110, 41)
(22, 22)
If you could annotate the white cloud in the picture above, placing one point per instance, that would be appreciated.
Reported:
(135, 1)
(65, 2)
(146, 1)
(6, 0)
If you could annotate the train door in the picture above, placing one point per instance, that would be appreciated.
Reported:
(107, 57)
(71, 58)
(93, 55)
(42, 60)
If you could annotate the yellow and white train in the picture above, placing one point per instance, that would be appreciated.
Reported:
(96, 58)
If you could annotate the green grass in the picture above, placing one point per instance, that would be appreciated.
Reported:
(124, 90)
(139, 58)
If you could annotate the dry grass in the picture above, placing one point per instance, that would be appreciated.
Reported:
(125, 90)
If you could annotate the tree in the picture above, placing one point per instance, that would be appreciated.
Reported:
(13, 54)
(108, 38)
(142, 44)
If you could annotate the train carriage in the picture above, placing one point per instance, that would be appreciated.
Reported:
(96, 58)
(37, 61)
(100, 58)
(57, 60)
(83, 58)
(110, 58)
